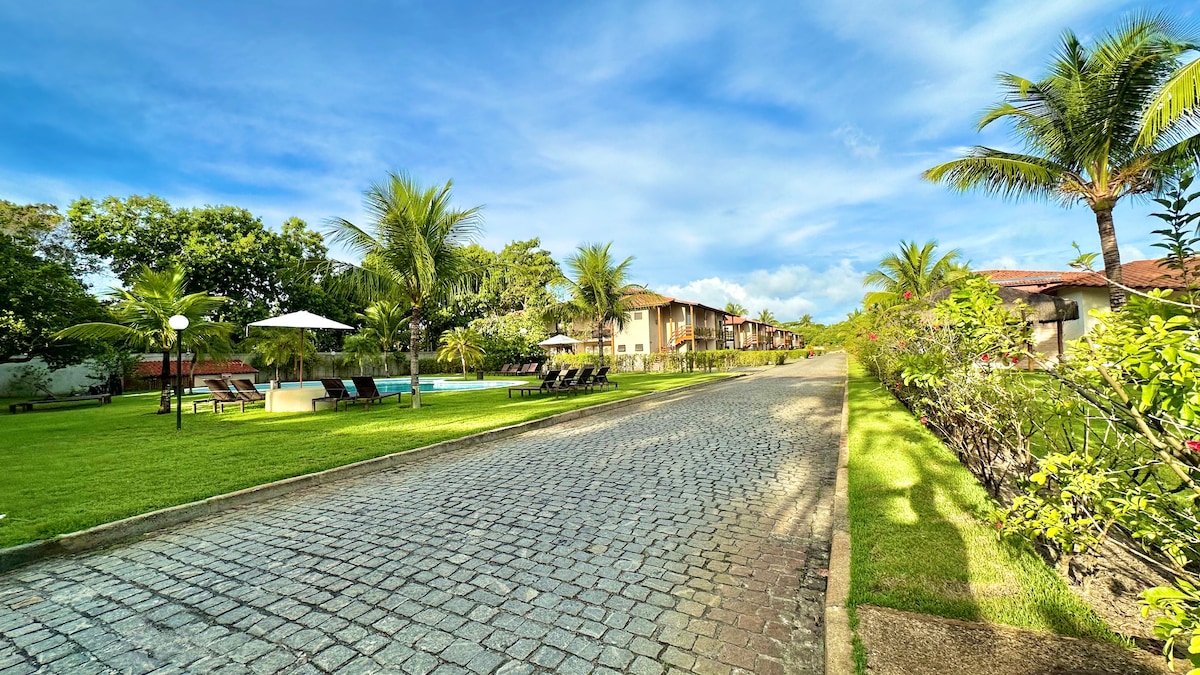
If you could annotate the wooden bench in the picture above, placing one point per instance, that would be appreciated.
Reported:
(28, 406)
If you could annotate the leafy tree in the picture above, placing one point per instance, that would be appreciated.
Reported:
(222, 249)
(914, 272)
(521, 278)
(1110, 120)
(413, 248)
(385, 325)
(600, 292)
(511, 338)
(41, 288)
(767, 317)
(735, 309)
(1180, 236)
(141, 317)
(463, 345)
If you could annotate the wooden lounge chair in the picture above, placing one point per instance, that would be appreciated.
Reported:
(50, 398)
(600, 379)
(584, 381)
(548, 381)
(529, 368)
(335, 392)
(565, 385)
(220, 395)
(509, 369)
(369, 393)
(247, 390)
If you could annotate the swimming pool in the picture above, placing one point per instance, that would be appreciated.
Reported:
(388, 385)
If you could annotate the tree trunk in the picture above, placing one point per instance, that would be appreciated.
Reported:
(414, 356)
(600, 345)
(1112, 257)
(385, 360)
(164, 399)
(463, 357)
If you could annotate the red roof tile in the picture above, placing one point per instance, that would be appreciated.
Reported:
(153, 368)
(1139, 274)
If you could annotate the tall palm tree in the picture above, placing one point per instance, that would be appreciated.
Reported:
(361, 350)
(463, 345)
(384, 323)
(1102, 125)
(735, 309)
(767, 317)
(914, 272)
(413, 248)
(141, 315)
(600, 292)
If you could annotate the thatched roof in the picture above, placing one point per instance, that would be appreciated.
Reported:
(1043, 307)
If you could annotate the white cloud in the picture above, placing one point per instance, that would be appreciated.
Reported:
(857, 142)
(788, 291)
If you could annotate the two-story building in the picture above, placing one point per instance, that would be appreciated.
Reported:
(658, 324)
(753, 335)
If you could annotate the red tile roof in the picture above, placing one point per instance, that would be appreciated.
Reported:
(1139, 274)
(644, 300)
(153, 368)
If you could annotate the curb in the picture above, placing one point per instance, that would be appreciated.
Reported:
(839, 658)
(119, 531)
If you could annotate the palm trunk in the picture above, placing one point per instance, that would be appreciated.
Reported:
(164, 399)
(463, 357)
(385, 360)
(414, 356)
(1112, 257)
(600, 345)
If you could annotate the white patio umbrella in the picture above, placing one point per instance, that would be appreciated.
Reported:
(559, 340)
(301, 320)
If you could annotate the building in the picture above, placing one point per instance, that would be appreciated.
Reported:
(1089, 290)
(751, 335)
(194, 372)
(658, 324)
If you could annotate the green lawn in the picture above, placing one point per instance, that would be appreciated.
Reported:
(922, 538)
(65, 470)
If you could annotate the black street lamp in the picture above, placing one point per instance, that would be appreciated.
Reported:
(179, 322)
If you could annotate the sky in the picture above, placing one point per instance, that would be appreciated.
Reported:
(755, 152)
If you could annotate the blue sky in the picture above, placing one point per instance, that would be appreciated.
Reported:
(765, 153)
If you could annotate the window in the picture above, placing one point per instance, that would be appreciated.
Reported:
(637, 316)
(620, 348)
(639, 348)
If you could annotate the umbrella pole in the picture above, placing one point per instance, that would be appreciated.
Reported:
(302, 357)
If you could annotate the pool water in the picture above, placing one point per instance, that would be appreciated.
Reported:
(388, 385)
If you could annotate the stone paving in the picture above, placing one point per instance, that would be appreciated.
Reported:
(685, 534)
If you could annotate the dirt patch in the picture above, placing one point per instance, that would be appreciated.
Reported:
(1110, 581)
(902, 643)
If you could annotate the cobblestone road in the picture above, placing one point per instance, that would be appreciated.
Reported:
(681, 535)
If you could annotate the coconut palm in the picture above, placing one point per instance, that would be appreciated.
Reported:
(914, 272)
(1103, 124)
(767, 317)
(277, 347)
(385, 323)
(413, 248)
(141, 315)
(734, 309)
(463, 345)
(600, 293)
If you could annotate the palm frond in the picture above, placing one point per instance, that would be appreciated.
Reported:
(1006, 174)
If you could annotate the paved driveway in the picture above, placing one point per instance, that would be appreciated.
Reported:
(683, 534)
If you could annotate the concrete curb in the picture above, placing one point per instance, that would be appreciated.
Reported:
(116, 532)
(839, 651)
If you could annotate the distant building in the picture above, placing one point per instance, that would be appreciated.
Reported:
(149, 372)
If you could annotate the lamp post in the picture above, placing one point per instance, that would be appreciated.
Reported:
(179, 322)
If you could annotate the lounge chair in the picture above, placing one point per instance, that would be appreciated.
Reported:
(566, 384)
(247, 390)
(220, 395)
(529, 368)
(600, 379)
(49, 398)
(509, 369)
(335, 392)
(369, 393)
(583, 381)
(548, 381)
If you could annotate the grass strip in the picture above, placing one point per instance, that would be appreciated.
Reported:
(67, 470)
(922, 538)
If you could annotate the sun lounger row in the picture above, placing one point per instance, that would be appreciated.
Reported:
(366, 392)
(571, 381)
(518, 369)
(221, 395)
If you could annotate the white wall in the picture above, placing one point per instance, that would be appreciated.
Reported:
(62, 381)
(1087, 299)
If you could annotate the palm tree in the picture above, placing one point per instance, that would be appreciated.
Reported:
(413, 248)
(599, 291)
(1102, 125)
(141, 316)
(914, 272)
(462, 345)
(734, 309)
(805, 320)
(277, 347)
(361, 350)
(385, 322)
(767, 317)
